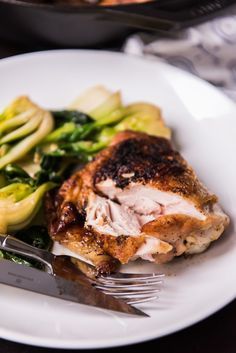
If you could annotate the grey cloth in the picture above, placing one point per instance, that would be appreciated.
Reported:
(207, 50)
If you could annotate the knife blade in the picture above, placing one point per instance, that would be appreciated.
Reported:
(37, 281)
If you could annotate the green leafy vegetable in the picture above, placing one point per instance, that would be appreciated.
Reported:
(90, 99)
(4, 149)
(70, 116)
(15, 215)
(36, 236)
(112, 103)
(144, 117)
(15, 192)
(18, 120)
(15, 174)
(18, 106)
(60, 133)
(53, 143)
(67, 122)
(78, 138)
(23, 126)
(24, 130)
(21, 195)
(15, 258)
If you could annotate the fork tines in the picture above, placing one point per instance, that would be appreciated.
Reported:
(133, 288)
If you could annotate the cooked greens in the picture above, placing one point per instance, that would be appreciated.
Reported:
(82, 134)
(38, 148)
(21, 196)
(36, 236)
(90, 99)
(15, 215)
(15, 258)
(13, 173)
(66, 122)
(70, 116)
(22, 126)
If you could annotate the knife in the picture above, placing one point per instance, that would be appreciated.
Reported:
(37, 281)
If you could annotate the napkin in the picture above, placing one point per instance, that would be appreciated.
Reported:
(207, 50)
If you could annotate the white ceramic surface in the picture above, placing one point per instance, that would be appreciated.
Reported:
(204, 125)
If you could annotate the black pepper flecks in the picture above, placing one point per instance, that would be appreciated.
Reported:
(144, 158)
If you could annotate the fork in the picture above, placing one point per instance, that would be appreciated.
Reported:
(134, 288)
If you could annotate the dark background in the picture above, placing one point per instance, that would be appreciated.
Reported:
(215, 334)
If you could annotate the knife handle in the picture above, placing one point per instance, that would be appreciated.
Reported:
(12, 244)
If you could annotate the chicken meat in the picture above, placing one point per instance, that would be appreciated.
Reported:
(137, 198)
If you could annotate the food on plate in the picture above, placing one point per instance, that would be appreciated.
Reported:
(37, 146)
(132, 195)
(137, 198)
(23, 125)
(35, 235)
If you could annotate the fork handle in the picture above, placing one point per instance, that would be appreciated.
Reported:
(12, 244)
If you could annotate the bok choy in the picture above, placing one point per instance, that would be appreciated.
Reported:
(23, 125)
(15, 215)
(35, 235)
(93, 120)
(45, 145)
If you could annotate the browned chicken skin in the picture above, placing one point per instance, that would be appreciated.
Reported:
(138, 198)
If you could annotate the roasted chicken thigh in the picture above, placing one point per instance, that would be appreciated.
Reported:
(137, 198)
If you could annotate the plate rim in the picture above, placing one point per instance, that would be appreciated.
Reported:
(117, 342)
(112, 343)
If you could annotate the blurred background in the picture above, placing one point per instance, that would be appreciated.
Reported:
(197, 36)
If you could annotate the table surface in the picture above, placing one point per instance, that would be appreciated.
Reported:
(214, 334)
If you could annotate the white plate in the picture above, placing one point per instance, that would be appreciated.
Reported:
(204, 124)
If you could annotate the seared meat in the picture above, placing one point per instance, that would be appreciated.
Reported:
(138, 198)
(66, 226)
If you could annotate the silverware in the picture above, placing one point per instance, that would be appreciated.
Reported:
(34, 280)
(134, 288)
(70, 285)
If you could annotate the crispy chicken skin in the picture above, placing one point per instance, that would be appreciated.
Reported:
(137, 198)
(66, 226)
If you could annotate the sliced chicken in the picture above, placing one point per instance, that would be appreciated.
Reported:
(66, 226)
(138, 198)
